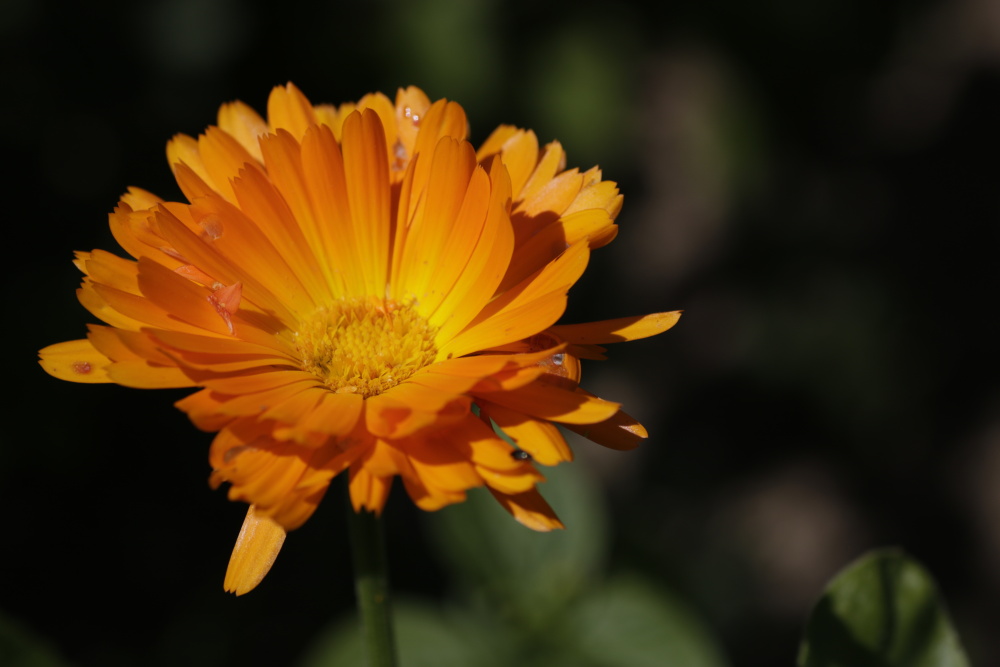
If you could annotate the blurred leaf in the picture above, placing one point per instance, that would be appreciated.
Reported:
(21, 648)
(627, 622)
(580, 86)
(426, 636)
(881, 611)
(529, 574)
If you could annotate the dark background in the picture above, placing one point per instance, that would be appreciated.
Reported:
(815, 184)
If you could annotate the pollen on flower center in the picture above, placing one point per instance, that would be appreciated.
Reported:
(365, 346)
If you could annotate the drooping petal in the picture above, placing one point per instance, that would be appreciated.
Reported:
(257, 547)
(620, 431)
(368, 491)
(529, 509)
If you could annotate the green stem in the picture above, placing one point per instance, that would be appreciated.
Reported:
(371, 584)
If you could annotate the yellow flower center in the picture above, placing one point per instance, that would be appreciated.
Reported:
(365, 346)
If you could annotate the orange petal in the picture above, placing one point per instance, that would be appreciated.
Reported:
(244, 124)
(411, 107)
(243, 382)
(552, 162)
(539, 438)
(108, 269)
(267, 473)
(261, 202)
(224, 158)
(180, 298)
(409, 407)
(486, 265)
(620, 432)
(76, 361)
(222, 255)
(494, 143)
(363, 147)
(554, 196)
(546, 401)
(257, 403)
(617, 330)
(429, 498)
(520, 155)
(536, 303)
(289, 109)
(329, 415)
(203, 409)
(530, 509)
(186, 163)
(326, 182)
(256, 549)
(505, 481)
(440, 239)
(141, 374)
(368, 491)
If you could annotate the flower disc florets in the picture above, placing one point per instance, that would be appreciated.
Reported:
(365, 346)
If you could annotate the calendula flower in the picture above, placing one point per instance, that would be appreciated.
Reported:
(358, 289)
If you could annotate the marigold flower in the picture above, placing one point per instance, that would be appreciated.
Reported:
(359, 289)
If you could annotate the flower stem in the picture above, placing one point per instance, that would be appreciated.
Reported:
(371, 585)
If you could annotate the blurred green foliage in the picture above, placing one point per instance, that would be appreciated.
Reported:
(19, 647)
(882, 611)
(536, 599)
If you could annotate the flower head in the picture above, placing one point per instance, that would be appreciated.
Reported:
(358, 289)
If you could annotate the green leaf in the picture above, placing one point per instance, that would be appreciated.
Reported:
(881, 611)
(627, 622)
(522, 573)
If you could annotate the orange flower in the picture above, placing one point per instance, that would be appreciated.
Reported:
(358, 289)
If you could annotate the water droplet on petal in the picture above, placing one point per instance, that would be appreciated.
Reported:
(399, 152)
(212, 225)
